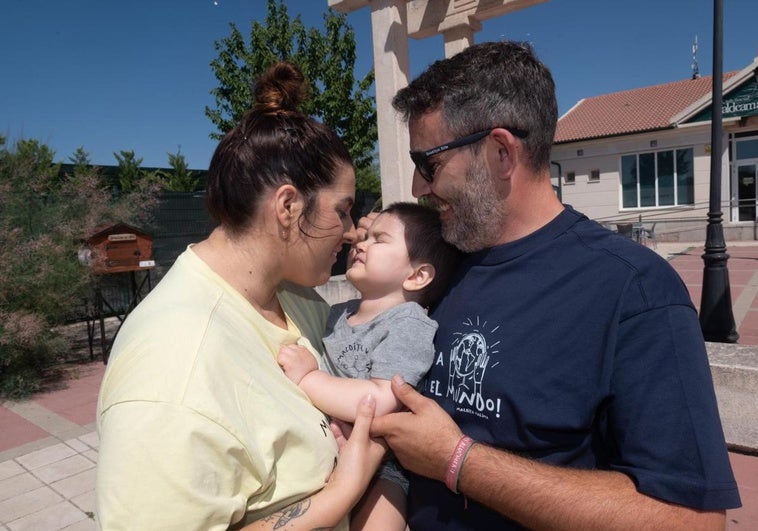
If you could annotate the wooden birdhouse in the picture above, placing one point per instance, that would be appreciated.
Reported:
(118, 248)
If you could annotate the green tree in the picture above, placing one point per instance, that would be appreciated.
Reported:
(43, 218)
(131, 177)
(326, 58)
(129, 171)
(81, 161)
(367, 179)
(180, 178)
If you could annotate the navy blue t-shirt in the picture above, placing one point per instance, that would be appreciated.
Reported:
(576, 347)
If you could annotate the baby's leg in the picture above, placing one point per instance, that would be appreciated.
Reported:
(382, 508)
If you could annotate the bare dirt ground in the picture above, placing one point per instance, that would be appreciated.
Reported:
(83, 350)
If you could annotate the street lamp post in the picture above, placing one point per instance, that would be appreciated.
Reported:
(716, 317)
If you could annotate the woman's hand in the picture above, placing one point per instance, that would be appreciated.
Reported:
(358, 460)
(360, 454)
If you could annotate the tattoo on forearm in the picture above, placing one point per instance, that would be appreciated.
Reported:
(281, 518)
(286, 515)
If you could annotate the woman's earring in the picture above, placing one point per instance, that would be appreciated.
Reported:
(286, 226)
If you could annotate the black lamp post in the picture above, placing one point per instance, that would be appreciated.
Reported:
(716, 317)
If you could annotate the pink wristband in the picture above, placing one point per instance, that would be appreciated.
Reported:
(456, 461)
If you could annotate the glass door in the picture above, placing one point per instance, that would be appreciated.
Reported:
(746, 179)
(745, 171)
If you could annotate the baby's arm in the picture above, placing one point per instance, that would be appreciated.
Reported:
(335, 396)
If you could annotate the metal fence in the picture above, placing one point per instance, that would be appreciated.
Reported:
(181, 219)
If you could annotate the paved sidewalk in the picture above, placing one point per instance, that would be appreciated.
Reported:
(743, 280)
(48, 451)
(48, 445)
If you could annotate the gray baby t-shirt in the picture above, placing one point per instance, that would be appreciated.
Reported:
(397, 341)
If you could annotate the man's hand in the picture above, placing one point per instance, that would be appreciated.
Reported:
(538, 495)
(296, 361)
(361, 234)
(422, 438)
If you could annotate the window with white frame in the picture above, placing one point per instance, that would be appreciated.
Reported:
(570, 177)
(657, 178)
(594, 176)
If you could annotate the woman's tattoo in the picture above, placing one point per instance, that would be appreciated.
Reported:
(281, 518)
(288, 514)
(293, 511)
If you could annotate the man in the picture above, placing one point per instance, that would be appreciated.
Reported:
(571, 387)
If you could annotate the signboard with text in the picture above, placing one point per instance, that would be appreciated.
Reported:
(741, 102)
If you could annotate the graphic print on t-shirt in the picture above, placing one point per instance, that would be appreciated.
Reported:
(469, 356)
(354, 359)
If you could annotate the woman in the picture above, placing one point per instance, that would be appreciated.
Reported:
(199, 427)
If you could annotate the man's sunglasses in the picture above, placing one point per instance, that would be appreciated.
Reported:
(421, 158)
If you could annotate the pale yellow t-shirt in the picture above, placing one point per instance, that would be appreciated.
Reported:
(199, 427)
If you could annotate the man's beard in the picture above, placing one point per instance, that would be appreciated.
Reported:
(478, 211)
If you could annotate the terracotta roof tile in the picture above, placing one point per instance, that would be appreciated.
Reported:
(631, 111)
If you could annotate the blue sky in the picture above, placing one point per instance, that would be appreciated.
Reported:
(112, 75)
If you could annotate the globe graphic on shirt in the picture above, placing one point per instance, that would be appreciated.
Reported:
(466, 352)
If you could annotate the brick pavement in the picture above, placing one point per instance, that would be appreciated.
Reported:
(48, 445)
(743, 280)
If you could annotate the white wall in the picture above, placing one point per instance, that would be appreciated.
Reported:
(602, 200)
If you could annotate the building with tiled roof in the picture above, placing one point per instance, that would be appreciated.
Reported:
(644, 155)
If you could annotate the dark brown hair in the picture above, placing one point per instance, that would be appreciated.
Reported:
(488, 85)
(423, 238)
(274, 144)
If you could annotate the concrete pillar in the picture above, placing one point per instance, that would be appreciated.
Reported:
(392, 21)
(458, 38)
(392, 71)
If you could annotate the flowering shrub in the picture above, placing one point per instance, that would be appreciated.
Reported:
(27, 347)
(43, 218)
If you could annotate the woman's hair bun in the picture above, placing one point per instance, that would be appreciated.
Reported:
(281, 88)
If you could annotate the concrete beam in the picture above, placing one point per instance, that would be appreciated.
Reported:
(430, 17)
(347, 6)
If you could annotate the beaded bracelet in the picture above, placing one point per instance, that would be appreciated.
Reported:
(456, 461)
